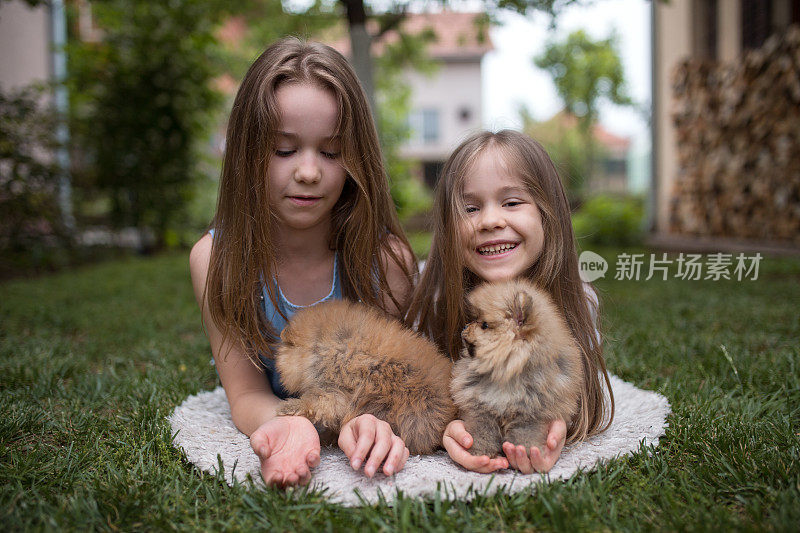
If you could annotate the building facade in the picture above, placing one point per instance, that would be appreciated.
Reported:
(446, 104)
(25, 49)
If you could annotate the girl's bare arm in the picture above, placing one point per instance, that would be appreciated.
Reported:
(249, 395)
(287, 447)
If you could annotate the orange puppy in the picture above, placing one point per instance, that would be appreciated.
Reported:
(345, 359)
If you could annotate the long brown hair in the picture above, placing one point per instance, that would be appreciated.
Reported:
(364, 223)
(438, 304)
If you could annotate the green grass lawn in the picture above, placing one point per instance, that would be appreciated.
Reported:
(92, 361)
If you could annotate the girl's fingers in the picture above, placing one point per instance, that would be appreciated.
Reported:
(498, 463)
(523, 461)
(456, 431)
(347, 441)
(312, 459)
(396, 457)
(511, 454)
(260, 444)
(475, 463)
(538, 460)
(406, 453)
(380, 447)
(366, 438)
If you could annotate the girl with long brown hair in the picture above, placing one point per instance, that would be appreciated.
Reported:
(501, 212)
(304, 215)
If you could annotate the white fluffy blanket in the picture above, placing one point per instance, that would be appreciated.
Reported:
(204, 430)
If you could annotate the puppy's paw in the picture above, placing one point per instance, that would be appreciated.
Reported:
(492, 451)
(292, 407)
(531, 433)
(485, 435)
(485, 444)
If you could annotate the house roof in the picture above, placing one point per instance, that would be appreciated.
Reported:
(459, 36)
(600, 134)
(610, 140)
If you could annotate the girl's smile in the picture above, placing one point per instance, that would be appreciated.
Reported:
(502, 235)
(496, 249)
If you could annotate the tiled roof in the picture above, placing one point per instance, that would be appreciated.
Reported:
(600, 134)
(458, 35)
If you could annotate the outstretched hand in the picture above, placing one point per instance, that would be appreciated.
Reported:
(457, 441)
(288, 448)
(538, 460)
(365, 436)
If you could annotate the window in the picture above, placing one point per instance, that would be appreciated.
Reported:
(431, 171)
(756, 23)
(424, 125)
(615, 166)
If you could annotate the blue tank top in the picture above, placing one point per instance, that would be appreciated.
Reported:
(277, 322)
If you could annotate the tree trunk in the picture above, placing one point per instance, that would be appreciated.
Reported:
(360, 46)
(585, 127)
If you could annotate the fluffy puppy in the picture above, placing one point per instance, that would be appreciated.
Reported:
(345, 359)
(520, 367)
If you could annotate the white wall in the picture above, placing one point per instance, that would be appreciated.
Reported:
(673, 41)
(452, 87)
(24, 44)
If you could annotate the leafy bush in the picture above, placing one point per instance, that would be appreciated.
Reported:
(141, 103)
(29, 213)
(610, 220)
(410, 195)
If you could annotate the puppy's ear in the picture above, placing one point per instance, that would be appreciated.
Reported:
(521, 308)
(470, 313)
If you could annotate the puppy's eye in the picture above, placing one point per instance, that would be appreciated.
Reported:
(484, 325)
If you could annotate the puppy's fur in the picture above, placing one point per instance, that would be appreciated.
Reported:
(345, 359)
(519, 370)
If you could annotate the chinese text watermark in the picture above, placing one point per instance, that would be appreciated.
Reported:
(690, 267)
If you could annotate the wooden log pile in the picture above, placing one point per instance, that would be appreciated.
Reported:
(738, 140)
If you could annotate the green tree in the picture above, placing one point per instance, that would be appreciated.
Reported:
(141, 100)
(29, 213)
(585, 72)
(394, 104)
(566, 146)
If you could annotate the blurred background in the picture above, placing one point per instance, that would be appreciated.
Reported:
(673, 124)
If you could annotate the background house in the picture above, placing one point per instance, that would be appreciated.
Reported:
(613, 175)
(445, 104)
(561, 137)
(25, 47)
(726, 119)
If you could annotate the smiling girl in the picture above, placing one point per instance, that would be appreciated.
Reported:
(501, 213)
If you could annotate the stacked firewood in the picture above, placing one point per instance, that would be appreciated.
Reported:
(738, 140)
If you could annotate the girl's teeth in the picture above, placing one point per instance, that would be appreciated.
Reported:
(496, 249)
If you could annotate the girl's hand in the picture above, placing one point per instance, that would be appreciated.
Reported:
(538, 460)
(457, 441)
(288, 448)
(366, 434)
